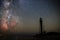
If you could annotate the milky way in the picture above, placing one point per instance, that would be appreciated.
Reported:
(6, 22)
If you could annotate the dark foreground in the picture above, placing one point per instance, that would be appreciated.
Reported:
(47, 36)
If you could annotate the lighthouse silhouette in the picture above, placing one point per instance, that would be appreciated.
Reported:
(41, 28)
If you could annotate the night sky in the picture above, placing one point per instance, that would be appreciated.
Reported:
(29, 12)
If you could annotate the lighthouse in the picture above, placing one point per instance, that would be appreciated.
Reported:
(41, 26)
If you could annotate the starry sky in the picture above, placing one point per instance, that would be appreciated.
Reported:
(29, 12)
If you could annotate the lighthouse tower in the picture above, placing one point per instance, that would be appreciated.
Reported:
(41, 26)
